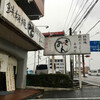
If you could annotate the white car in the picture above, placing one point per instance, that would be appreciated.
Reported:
(41, 69)
(93, 72)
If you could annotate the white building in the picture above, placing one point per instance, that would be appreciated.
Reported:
(59, 66)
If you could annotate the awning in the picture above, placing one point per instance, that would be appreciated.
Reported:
(33, 9)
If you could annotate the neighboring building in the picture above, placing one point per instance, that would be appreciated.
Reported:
(54, 34)
(18, 35)
(59, 66)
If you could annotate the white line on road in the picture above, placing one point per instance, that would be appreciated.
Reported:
(87, 98)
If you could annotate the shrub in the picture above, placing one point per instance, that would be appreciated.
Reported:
(50, 80)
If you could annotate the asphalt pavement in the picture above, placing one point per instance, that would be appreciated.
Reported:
(76, 94)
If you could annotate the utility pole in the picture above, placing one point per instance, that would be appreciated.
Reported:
(53, 60)
(65, 63)
(34, 61)
(71, 59)
(83, 65)
(80, 78)
(38, 57)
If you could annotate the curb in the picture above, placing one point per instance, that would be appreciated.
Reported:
(48, 88)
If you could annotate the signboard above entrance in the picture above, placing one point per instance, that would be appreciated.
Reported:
(76, 44)
(15, 16)
(95, 46)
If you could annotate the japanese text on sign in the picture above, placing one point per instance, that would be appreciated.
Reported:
(76, 44)
(11, 10)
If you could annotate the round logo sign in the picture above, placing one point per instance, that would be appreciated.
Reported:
(30, 29)
(62, 45)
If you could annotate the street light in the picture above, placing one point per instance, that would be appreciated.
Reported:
(43, 26)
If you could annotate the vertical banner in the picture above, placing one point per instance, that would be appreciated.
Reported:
(3, 62)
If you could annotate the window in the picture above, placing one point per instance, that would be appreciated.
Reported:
(50, 60)
(93, 71)
(61, 60)
(99, 71)
(41, 67)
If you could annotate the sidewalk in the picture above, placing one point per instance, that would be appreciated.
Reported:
(19, 94)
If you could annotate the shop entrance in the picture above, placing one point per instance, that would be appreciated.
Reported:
(2, 81)
(8, 72)
(11, 74)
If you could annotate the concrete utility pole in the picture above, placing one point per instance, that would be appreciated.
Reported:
(53, 60)
(34, 61)
(65, 63)
(71, 59)
(83, 65)
(80, 78)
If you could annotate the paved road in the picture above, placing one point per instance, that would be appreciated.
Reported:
(79, 94)
(92, 79)
(89, 93)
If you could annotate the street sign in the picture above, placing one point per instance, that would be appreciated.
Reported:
(95, 46)
(76, 44)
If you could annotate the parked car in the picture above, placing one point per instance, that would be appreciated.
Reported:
(93, 72)
(41, 69)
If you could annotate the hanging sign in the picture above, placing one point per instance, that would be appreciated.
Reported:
(3, 62)
(67, 45)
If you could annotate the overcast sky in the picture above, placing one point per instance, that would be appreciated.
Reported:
(60, 14)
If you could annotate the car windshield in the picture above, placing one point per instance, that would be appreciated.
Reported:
(93, 71)
(41, 67)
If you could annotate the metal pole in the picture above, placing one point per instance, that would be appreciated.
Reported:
(71, 59)
(65, 64)
(34, 61)
(83, 65)
(53, 64)
(80, 78)
(38, 57)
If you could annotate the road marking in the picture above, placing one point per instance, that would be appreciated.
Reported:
(87, 98)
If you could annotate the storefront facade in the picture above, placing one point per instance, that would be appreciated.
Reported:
(18, 35)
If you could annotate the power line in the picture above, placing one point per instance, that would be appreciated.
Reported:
(87, 13)
(79, 12)
(36, 62)
(95, 34)
(68, 13)
(82, 17)
(73, 13)
(93, 26)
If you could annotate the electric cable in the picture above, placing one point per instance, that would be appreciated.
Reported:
(82, 17)
(68, 13)
(87, 13)
(79, 12)
(95, 34)
(37, 62)
(73, 13)
(93, 26)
